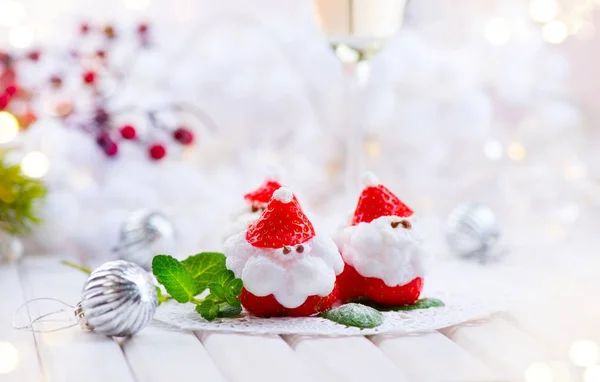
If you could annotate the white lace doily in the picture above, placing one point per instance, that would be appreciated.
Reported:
(459, 308)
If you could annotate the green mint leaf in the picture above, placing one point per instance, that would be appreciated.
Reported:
(424, 303)
(213, 312)
(161, 297)
(234, 287)
(358, 315)
(233, 301)
(205, 309)
(223, 277)
(204, 267)
(175, 277)
(226, 310)
(216, 290)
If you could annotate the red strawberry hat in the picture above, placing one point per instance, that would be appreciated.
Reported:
(263, 194)
(281, 224)
(376, 201)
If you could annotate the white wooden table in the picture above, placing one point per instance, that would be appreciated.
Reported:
(496, 349)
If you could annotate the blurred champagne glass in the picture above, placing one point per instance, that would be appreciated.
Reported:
(357, 30)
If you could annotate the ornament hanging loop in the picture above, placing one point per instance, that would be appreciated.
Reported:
(30, 324)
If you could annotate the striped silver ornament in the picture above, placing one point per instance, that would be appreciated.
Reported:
(143, 235)
(118, 299)
(472, 231)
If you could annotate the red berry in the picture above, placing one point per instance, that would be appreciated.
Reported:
(11, 90)
(111, 148)
(89, 77)
(157, 151)
(128, 132)
(56, 81)
(268, 306)
(183, 136)
(3, 101)
(101, 117)
(84, 28)
(34, 55)
(143, 28)
(103, 139)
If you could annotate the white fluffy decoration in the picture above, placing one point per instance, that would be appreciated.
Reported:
(267, 77)
(241, 223)
(395, 255)
(283, 194)
(291, 278)
(369, 179)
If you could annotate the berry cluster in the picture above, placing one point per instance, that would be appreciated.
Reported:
(14, 97)
(99, 67)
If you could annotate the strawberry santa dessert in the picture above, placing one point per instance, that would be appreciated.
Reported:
(382, 254)
(287, 269)
(255, 203)
(258, 199)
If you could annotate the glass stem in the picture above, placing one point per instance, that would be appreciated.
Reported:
(357, 74)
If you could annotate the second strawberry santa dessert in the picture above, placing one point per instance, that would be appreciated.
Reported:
(287, 269)
(383, 255)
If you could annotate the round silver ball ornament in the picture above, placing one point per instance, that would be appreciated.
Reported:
(472, 231)
(144, 234)
(118, 299)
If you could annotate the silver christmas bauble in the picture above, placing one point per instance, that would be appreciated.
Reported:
(143, 235)
(472, 231)
(118, 299)
(11, 248)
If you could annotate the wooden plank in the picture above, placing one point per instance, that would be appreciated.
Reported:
(507, 349)
(18, 353)
(159, 354)
(265, 358)
(432, 357)
(71, 354)
(346, 358)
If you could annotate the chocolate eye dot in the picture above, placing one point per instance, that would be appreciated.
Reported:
(395, 224)
(406, 224)
(286, 250)
(300, 249)
(255, 209)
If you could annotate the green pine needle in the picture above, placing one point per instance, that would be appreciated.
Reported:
(19, 198)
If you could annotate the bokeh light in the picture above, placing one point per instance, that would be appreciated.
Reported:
(516, 151)
(555, 32)
(9, 127)
(346, 53)
(9, 357)
(584, 353)
(538, 372)
(497, 31)
(493, 150)
(543, 11)
(21, 37)
(12, 13)
(35, 164)
(592, 374)
(137, 5)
